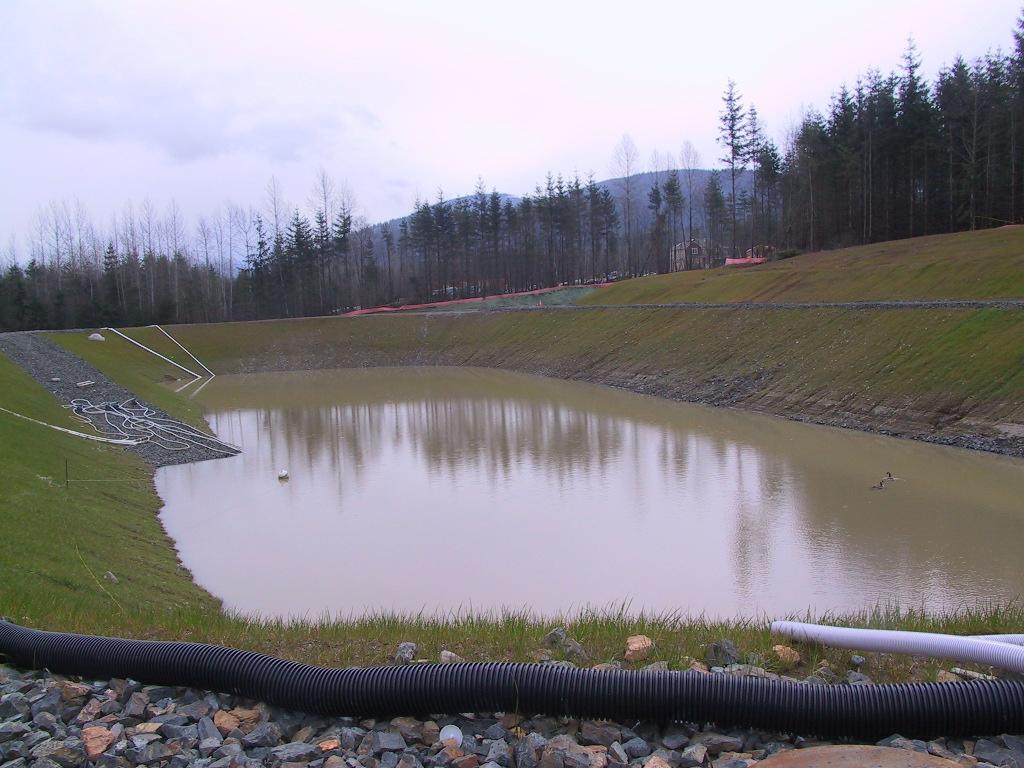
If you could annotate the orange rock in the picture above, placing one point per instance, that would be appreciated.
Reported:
(90, 712)
(96, 740)
(147, 728)
(787, 657)
(72, 691)
(225, 721)
(638, 647)
(329, 744)
(466, 761)
(247, 718)
(656, 762)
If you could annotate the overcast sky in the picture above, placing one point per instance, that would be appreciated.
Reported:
(203, 102)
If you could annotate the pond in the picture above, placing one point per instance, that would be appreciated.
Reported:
(460, 489)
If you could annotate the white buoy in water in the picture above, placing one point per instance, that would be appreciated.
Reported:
(282, 475)
(451, 733)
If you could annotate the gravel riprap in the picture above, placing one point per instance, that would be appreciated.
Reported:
(60, 372)
(50, 721)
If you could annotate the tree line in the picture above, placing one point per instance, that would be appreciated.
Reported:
(894, 156)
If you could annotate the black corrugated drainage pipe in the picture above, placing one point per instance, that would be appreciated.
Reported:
(919, 710)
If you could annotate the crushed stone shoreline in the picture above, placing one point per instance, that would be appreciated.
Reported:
(60, 372)
(52, 721)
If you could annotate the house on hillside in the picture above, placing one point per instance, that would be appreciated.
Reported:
(688, 256)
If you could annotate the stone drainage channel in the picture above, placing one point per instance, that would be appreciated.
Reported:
(61, 373)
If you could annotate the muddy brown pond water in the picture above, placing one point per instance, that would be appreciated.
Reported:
(455, 489)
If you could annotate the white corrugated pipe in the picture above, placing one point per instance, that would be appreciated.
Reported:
(977, 650)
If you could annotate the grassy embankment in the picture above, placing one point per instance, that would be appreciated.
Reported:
(968, 265)
(921, 359)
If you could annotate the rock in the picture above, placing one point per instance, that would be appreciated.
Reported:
(154, 753)
(110, 577)
(716, 743)
(295, 751)
(573, 650)
(606, 666)
(603, 733)
(638, 647)
(263, 735)
(11, 731)
(858, 678)
(555, 637)
(787, 657)
(225, 721)
(500, 754)
(70, 692)
(410, 728)
(97, 740)
(654, 761)
(899, 742)
(858, 661)
(560, 640)
(722, 653)
(431, 732)
(448, 657)
(675, 737)
(987, 751)
(945, 676)
(617, 753)
(657, 666)
(693, 756)
(405, 653)
(637, 747)
(390, 741)
(136, 706)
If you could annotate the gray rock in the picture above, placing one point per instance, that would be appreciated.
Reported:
(986, 750)
(500, 753)
(555, 637)
(263, 735)
(675, 737)
(152, 753)
(617, 754)
(527, 750)
(899, 742)
(858, 678)
(716, 743)
(405, 653)
(295, 751)
(184, 733)
(389, 741)
(858, 661)
(722, 653)
(496, 731)
(136, 706)
(50, 703)
(206, 730)
(9, 731)
(388, 760)
(637, 747)
(602, 733)
(693, 756)
(14, 705)
(657, 666)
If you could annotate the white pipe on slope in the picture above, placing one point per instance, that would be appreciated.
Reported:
(964, 649)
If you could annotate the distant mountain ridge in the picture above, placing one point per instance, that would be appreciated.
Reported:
(641, 184)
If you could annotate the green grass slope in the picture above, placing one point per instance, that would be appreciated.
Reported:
(58, 540)
(968, 265)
